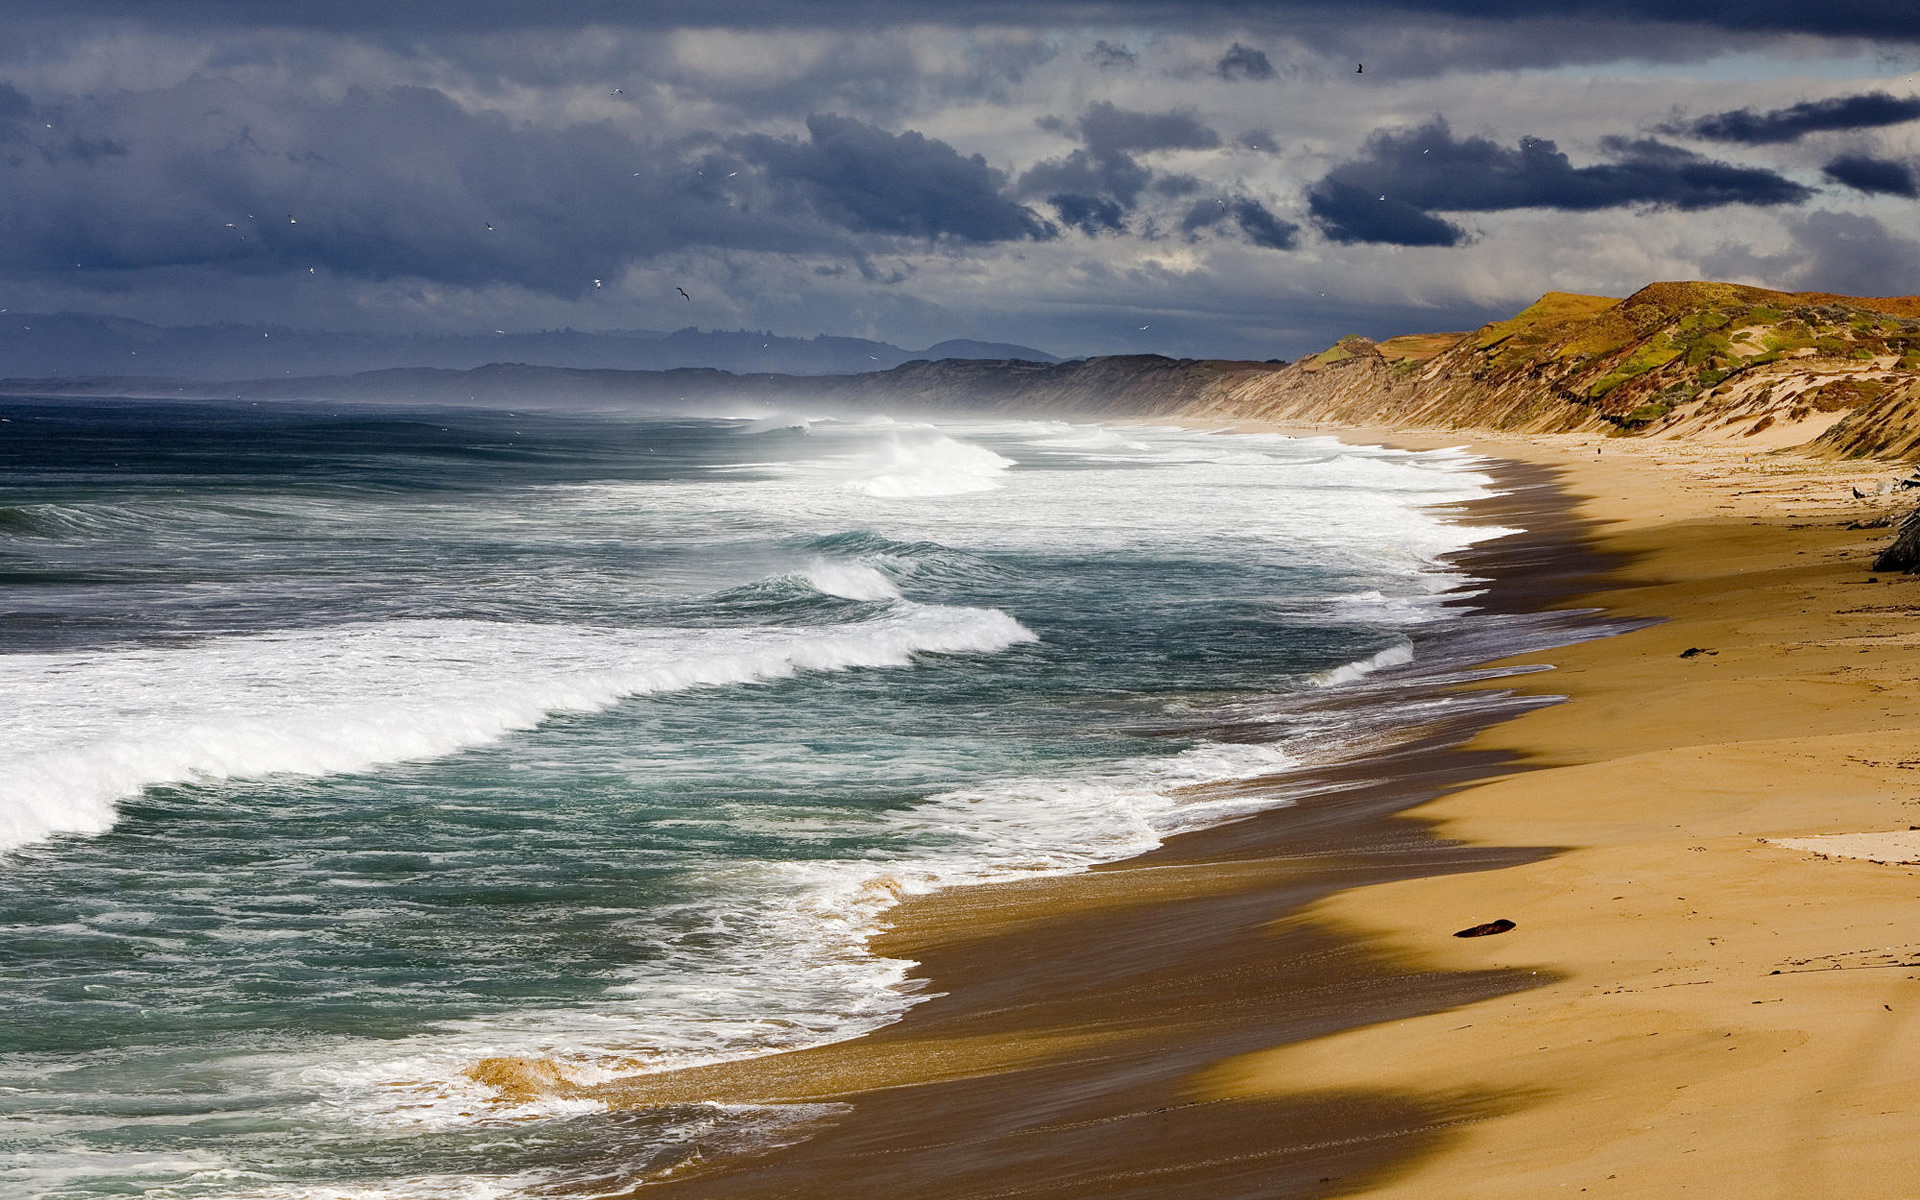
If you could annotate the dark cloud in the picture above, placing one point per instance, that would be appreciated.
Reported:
(1883, 19)
(1090, 214)
(1349, 214)
(1263, 228)
(1866, 174)
(1244, 62)
(1390, 193)
(1107, 128)
(1869, 110)
(1085, 173)
(15, 107)
(1093, 188)
(403, 183)
(862, 178)
(1259, 225)
(1107, 54)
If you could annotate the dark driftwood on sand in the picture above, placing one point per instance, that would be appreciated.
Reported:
(1904, 554)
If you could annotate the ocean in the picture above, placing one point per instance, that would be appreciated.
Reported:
(341, 748)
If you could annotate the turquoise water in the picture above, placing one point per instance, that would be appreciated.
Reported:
(343, 748)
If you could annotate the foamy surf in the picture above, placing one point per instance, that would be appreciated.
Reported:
(1397, 655)
(578, 758)
(86, 730)
(925, 463)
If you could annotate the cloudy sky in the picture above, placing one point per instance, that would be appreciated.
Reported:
(1213, 179)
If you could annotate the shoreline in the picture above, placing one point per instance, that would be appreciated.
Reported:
(1630, 1037)
(1073, 1008)
(1668, 1056)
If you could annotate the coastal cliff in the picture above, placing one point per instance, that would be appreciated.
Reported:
(1706, 361)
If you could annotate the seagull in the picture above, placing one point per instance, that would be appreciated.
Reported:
(616, 92)
(1146, 327)
(1359, 68)
(489, 226)
(290, 220)
(596, 283)
(683, 294)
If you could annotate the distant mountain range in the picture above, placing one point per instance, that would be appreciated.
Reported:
(73, 344)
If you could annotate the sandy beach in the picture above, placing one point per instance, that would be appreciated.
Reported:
(1278, 1007)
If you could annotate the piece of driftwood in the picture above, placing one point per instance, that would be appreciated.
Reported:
(1491, 927)
(1904, 554)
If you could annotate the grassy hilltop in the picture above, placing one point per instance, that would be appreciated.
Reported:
(1707, 360)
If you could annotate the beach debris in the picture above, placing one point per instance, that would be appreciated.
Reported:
(1695, 651)
(1491, 927)
(1904, 554)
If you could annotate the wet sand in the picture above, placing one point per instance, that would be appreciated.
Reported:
(1277, 1007)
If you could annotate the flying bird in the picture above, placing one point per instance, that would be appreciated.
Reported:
(616, 92)
(489, 226)
(1146, 327)
(683, 294)
(596, 283)
(1359, 68)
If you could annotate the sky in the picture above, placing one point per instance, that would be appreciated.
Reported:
(1234, 179)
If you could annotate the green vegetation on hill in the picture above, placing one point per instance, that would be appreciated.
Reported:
(1684, 358)
(1634, 361)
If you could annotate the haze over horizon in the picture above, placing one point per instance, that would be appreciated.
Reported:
(1214, 180)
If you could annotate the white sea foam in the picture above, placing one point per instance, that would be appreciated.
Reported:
(925, 463)
(84, 730)
(1397, 655)
(850, 580)
(714, 998)
(771, 955)
(1373, 607)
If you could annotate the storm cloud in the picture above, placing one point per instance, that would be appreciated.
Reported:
(1092, 188)
(1870, 110)
(1025, 170)
(1864, 173)
(1107, 128)
(403, 182)
(867, 180)
(1403, 177)
(1835, 18)
(1243, 62)
(1259, 225)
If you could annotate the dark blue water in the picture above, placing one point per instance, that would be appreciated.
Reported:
(346, 748)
